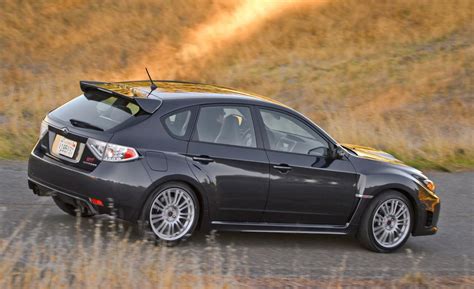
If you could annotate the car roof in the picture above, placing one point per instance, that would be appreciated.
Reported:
(184, 94)
(168, 90)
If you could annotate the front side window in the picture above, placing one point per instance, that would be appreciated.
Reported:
(230, 125)
(288, 134)
(177, 123)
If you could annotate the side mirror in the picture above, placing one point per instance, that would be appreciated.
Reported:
(339, 152)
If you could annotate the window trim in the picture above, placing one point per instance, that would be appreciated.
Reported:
(189, 129)
(256, 126)
(313, 127)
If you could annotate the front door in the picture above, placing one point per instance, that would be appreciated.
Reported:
(307, 185)
(229, 161)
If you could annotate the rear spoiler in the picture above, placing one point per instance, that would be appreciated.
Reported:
(149, 105)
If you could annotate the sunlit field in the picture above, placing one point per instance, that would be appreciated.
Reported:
(395, 75)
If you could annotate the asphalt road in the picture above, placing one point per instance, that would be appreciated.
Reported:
(450, 252)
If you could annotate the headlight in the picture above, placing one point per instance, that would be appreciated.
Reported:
(43, 129)
(430, 185)
(427, 183)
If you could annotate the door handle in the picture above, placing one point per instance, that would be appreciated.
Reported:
(284, 168)
(203, 159)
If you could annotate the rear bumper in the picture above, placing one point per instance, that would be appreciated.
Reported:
(41, 189)
(122, 187)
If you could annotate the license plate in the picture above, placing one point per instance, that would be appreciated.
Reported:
(65, 146)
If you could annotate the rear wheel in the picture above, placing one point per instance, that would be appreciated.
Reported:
(387, 223)
(71, 209)
(172, 213)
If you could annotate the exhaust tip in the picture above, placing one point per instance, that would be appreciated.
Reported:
(36, 190)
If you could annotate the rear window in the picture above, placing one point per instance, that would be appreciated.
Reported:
(100, 110)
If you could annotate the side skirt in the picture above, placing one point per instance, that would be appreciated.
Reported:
(280, 228)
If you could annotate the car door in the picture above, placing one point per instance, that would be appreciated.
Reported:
(227, 157)
(307, 185)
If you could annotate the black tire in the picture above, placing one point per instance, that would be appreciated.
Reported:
(146, 226)
(365, 234)
(71, 209)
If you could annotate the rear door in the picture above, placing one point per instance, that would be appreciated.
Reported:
(226, 155)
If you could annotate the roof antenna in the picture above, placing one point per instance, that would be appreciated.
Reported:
(153, 86)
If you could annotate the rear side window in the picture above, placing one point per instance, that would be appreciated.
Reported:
(178, 123)
(100, 110)
(230, 125)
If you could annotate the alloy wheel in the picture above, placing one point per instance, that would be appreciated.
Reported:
(172, 214)
(391, 223)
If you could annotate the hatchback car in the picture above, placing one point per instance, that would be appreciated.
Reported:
(181, 156)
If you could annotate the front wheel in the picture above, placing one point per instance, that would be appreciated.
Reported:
(173, 212)
(387, 223)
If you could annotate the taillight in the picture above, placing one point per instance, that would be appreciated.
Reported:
(116, 153)
(43, 129)
(97, 147)
(96, 202)
(111, 152)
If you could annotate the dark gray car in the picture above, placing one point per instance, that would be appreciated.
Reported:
(184, 156)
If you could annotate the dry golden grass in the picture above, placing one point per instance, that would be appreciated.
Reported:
(396, 75)
(109, 257)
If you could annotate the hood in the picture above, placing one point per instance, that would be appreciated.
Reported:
(373, 154)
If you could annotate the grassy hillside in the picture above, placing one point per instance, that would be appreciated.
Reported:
(46, 47)
(396, 75)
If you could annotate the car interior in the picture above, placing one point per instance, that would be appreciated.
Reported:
(226, 125)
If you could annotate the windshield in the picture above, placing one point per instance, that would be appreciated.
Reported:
(99, 110)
